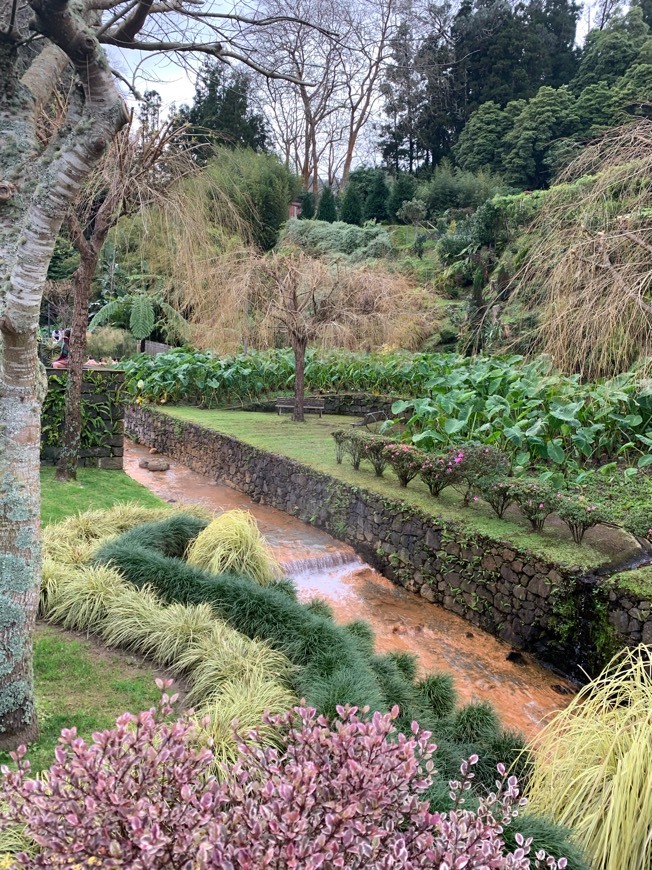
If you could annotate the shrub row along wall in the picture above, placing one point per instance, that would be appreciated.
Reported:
(102, 436)
(529, 602)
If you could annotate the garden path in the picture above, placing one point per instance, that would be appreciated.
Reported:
(523, 692)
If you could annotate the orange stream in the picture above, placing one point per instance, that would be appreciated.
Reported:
(523, 692)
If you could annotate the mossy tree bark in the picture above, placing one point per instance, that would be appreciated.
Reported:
(42, 171)
(39, 186)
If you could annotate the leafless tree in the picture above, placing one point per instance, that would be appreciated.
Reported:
(317, 130)
(138, 170)
(40, 179)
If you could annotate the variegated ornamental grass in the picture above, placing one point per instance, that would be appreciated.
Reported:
(593, 768)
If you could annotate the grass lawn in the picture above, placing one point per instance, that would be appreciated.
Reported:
(311, 443)
(94, 488)
(81, 684)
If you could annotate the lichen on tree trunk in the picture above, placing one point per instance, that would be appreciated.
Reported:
(41, 184)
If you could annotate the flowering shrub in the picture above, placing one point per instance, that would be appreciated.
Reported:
(438, 472)
(579, 514)
(373, 450)
(535, 499)
(342, 794)
(405, 460)
(481, 461)
(497, 493)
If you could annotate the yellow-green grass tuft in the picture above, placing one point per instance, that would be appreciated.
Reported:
(245, 701)
(66, 547)
(232, 542)
(593, 765)
(12, 840)
(226, 655)
(129, 617)
(53, 575)
(137, 620)
(81, 601)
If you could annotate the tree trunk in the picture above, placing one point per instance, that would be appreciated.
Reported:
(299, 347)
(20, 555)
(44, 184)
(81, 286)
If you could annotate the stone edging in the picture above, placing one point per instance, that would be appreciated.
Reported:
(528, 602)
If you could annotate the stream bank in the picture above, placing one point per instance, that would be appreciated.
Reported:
(484, 668)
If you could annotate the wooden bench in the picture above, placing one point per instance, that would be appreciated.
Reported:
(311, 404)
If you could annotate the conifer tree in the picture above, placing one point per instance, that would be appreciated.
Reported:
(376, 205)
(307, 201)
(351, 208)
(327, 210)
(403, 190)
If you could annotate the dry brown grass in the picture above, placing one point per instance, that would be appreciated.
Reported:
(589, 269)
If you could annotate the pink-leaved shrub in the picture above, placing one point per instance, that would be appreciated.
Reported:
(343, 794)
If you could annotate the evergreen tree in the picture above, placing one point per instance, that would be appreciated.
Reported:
(351, 207)
(403, 190)
(376, 204)
(221, 113)
(549, 116)
(609, 53)
(482, 142)
(307, 200)
(327, 210)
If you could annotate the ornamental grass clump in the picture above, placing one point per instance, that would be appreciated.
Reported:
(227, 655)
(232, 542)
(593, 766)
(579, 514)
(82, 601)
(405, 460)
(535, 499)
(248, 702)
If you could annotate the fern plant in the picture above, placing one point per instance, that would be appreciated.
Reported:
(142, 309)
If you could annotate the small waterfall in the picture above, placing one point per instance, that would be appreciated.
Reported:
(295, 567)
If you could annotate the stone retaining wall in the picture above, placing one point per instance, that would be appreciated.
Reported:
(102, 444)
(529, 602)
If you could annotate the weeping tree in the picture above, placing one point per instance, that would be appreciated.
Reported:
(296, 298)
(137, 170)
(43, 169)
(588, 262)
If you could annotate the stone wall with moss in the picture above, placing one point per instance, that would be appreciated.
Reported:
(531, 603)
(102, 436)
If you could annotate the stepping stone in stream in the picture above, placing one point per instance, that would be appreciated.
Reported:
(154, 464)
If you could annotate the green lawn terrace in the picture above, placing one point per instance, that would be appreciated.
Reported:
(311, 443)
